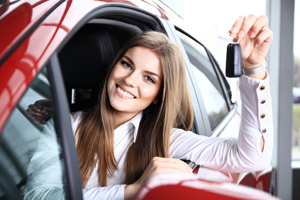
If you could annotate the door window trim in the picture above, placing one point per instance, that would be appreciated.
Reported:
(64, 129)
(232, 108)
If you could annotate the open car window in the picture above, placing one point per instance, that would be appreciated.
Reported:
(32, 165)
(207, 80)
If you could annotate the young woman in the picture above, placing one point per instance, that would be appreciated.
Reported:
(140, 126)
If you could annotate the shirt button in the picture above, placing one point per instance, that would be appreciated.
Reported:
(262, 116)
(262, 87)
(264, 131)
(263, 101)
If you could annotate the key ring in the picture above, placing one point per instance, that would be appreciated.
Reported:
(232, 41)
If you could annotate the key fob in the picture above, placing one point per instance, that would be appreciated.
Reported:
(233, 60)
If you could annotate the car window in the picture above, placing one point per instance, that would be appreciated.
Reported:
(31, 161)
(207, 80)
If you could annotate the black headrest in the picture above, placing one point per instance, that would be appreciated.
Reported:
(84, 61)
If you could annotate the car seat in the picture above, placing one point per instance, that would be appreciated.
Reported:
(86, 57)
(84, 61)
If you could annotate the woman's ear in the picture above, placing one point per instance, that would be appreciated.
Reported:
(156, 101)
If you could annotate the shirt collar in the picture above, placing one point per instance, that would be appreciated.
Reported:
(127, 126)
(136, 123)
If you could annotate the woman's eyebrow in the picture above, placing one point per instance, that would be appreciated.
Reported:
(131, 62)
(152, 73)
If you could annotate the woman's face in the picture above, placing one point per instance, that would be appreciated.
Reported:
(135, 81)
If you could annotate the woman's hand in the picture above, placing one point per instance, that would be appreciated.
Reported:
(157, 165)
(41, 110)
(255, 39)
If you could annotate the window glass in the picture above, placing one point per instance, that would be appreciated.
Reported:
(31, 164)
(207, 80)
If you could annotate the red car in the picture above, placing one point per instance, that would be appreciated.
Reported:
(60, 50)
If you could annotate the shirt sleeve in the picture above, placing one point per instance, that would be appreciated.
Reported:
(46, 168)
(242, 154)
(106, 193)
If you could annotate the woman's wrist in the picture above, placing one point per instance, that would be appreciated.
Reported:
(255, 69)
(257, 72)
(260, 75)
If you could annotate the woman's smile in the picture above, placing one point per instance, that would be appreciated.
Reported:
(124, 93)
(135, 81)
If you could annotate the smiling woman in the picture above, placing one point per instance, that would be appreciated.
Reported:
(140, 125)
(140, 80)
(134, 83)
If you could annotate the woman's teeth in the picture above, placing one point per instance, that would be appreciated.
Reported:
(124, 93)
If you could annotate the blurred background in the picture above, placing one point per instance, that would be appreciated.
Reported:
(211, 20)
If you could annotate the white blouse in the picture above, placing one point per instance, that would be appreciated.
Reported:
(242, 154)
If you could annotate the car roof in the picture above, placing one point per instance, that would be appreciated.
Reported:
(18, 17)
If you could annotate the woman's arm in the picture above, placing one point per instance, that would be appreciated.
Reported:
(243, 154)
(253, 149)
(255, 40)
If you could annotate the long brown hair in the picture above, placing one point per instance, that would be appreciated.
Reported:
(95, 132)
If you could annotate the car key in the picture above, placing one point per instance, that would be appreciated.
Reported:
(233, 60)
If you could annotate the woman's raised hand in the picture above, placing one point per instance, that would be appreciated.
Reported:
(255, 39)
(41, 110)
(157, 165)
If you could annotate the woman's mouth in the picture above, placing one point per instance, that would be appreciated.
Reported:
(126, 94)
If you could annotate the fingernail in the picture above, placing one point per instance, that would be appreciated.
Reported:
(241, 33)
(38, 114)
(251, 34)
(234, 30)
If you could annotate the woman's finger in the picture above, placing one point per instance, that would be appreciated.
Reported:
(260, 24)
(33, 111)
(181, 164)
(265, 35)
(29, 112)
(37, 106)
(161, 165)
(171, 163)
(246, 26)
(236, 26)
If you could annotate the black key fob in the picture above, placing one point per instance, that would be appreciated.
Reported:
(233, 60)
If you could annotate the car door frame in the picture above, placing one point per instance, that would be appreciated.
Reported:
(64, 129)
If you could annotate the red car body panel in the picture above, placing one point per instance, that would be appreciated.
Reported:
(18, 17)
(181, 186)
(30, 34)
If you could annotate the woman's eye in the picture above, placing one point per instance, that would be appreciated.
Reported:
(148, 78)
(126, 64)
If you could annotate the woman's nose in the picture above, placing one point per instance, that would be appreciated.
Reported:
(131, 80)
